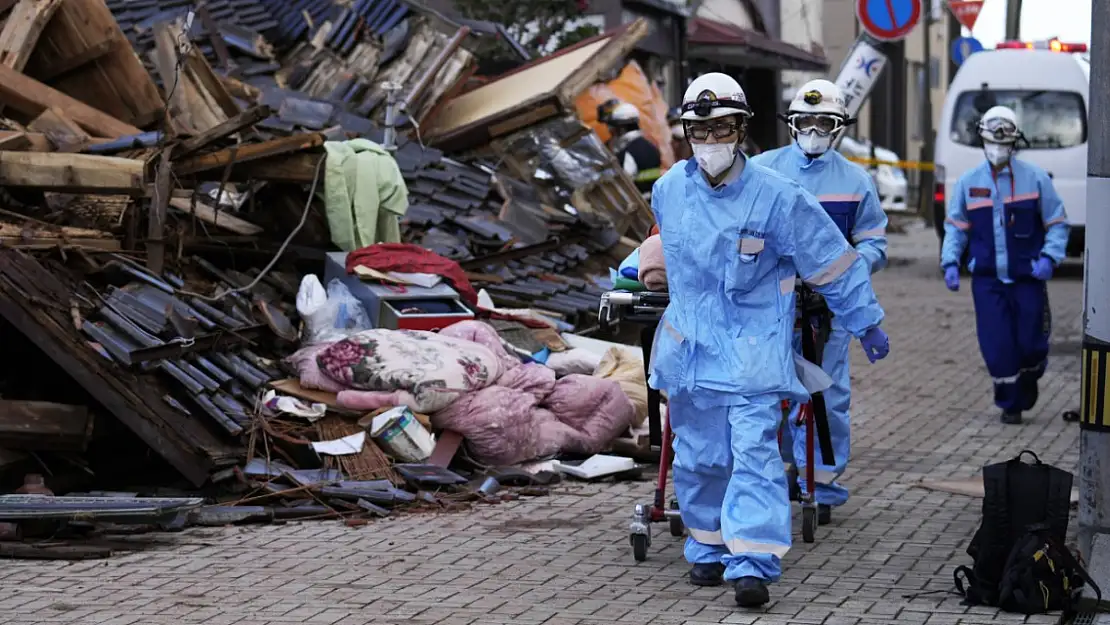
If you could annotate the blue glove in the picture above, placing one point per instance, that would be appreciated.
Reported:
(1042, 268)
(875, 343)
(952, 278)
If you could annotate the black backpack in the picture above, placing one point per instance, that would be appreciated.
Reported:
(1020, 561)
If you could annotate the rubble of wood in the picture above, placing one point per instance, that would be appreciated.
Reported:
(162, 167)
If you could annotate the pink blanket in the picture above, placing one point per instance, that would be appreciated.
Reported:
(522, 414)
(653, 271)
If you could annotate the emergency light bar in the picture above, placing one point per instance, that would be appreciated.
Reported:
(1054, 45)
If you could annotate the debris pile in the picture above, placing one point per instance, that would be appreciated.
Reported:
(166, 178)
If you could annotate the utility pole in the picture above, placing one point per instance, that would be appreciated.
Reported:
(1094, 435)
(925, 180)
(1013, 20)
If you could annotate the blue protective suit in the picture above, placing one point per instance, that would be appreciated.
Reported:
(847, 193)
(1008, 222)
(722, 352)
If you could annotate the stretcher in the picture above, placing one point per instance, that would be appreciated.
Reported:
(645, 309)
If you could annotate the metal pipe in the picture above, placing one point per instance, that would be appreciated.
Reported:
(1013, 20)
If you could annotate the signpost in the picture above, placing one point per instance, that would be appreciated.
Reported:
(963, 48)
(888, 20)
(966, 11)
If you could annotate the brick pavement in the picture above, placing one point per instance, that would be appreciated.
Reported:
(925, 412)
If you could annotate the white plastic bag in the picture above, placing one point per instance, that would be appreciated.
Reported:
(330, 315)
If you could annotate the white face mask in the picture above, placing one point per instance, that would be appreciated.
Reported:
(998, 153)
(714, 158)
(813, 144)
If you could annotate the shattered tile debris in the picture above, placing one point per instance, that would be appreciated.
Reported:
(155, 155)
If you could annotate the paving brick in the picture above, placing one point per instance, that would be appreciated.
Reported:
(925, 412)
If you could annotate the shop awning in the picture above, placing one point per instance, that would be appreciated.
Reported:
(733, 45)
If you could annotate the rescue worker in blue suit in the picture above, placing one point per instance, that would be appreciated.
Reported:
(1007, 212)
(816, 117)
(735, 235)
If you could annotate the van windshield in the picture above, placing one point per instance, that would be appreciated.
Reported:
(1048, 119)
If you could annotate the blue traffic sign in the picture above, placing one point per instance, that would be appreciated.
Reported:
(888, 20)
(965, 47)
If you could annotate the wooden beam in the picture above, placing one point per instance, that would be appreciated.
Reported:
(60, 130)
(156, 223)
(24, 141)
(80, 59)
(31, 97)
(44, 426)
(21, 31)
(33, 235)
(208, 214)
(71, 173)
(247, 118)
(297, 168)
(209, 82)
(247, 153)
(240, 89)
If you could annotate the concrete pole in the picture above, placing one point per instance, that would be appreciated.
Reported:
(1013, 19)
(1094, 436)
(925, 179)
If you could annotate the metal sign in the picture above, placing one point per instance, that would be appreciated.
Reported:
(888, 20)
(966, 11)
(859, 73)
(963, 48)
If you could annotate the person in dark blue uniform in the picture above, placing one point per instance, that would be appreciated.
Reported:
(1007, 213)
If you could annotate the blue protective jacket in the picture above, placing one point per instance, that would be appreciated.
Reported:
(845, 190)
(732, 255)
(1006, 221)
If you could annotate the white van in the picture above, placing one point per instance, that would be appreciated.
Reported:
(1047, 85)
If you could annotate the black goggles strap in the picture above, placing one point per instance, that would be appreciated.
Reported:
(702, 108)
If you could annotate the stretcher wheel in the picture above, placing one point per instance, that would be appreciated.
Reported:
(809, 524)
(678, 529)
(639, 547)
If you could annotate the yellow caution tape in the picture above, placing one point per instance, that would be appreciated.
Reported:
(917, 165)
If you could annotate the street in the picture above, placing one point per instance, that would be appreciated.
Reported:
(925, 413)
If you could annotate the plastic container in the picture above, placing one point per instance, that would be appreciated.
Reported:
(399, 433)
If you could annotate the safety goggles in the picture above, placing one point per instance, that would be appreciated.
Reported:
(824, 125)
(719, 130)
(1000, 130)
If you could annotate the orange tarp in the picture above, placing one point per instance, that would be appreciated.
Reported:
(631, 86)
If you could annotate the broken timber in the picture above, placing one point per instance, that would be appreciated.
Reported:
(246, 153)
(31, 97)
(26, 291)
(44, 426)
(72, 173)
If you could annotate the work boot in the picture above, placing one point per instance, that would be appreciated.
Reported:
(711, 574)
(1011, 418)
(751, 592)
(824, 514)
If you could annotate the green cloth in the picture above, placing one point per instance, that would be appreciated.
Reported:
(364, 193)
(624, 284)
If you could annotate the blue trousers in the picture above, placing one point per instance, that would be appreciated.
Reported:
(1013, 322)
(730, 482)
(838, 399)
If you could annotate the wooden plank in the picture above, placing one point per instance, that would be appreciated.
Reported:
(15, 141)
(22, 30)
(136, 400)
(247, 153)
(60, 130)
(208, 82)
(77, 60)
(298, 168)
(71, 173)
(156, 222)
(44, 426)
(31, 97)
(247, 118)
(116, 83)
(208, 214)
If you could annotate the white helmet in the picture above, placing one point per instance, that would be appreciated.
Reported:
(714, 95)
(819, 97)
(999, 125)
(819, 108)
(624, 113)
